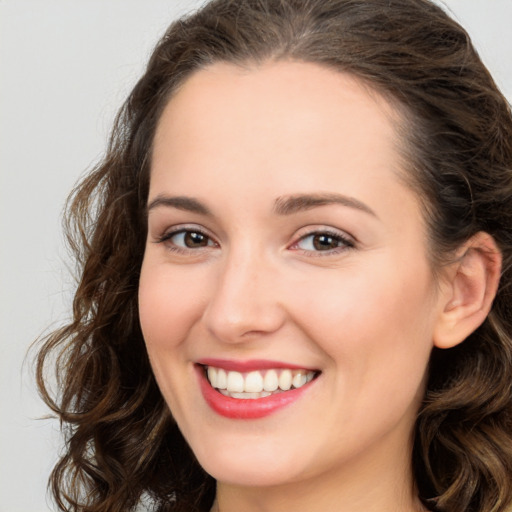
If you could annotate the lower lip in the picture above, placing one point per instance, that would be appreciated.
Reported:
(245, 408)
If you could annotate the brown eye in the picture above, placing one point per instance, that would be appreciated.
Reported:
(192, 239)
(187, 239)
(325, 242)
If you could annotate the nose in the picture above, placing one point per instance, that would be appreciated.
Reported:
(244, 303)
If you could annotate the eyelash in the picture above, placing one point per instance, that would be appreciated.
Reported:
(345, 243)
(167, 236)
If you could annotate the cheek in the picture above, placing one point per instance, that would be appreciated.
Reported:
(169, 303)
(376, 326)
(369, 301)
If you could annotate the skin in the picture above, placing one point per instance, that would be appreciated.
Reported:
(364, 313)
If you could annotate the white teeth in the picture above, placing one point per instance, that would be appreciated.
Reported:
(299, 379)
(250, 396)
(257, 384)
(253, 383)
(217, 377)
(271, 381)
(222, 379)
(235, 382)
(212, 376)
(285, 380)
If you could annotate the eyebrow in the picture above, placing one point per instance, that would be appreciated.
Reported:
(287, 205)
(188, 204)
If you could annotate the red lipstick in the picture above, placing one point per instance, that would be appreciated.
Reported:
(250, 365)
(247, 409)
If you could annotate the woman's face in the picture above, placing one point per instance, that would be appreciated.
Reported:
(284, 250)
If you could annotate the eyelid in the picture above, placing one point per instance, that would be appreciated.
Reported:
(182, 228)
(348, 241)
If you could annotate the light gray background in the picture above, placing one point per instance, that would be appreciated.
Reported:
(65, 68)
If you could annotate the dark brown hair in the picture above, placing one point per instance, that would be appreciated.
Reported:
(122, 443)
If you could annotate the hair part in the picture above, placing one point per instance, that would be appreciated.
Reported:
(122, 442)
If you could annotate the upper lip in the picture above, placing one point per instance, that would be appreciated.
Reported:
(250, 364)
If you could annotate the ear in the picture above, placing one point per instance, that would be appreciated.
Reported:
(468, 290)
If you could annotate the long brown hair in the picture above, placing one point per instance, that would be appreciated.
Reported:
(122, 443)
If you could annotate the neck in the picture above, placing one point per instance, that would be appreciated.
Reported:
(376, 489)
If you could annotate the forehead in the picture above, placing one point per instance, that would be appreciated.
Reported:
(301, 99)
(297, 126)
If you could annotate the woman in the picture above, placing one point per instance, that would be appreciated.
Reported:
(296, 272)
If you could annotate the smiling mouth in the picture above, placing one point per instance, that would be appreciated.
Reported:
(258, 383)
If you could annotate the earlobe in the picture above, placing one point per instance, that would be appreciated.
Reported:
(469, 288)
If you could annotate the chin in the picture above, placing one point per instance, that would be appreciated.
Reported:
(245, 474)
(258, 468)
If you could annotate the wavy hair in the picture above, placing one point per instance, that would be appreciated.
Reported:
(122, 445)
